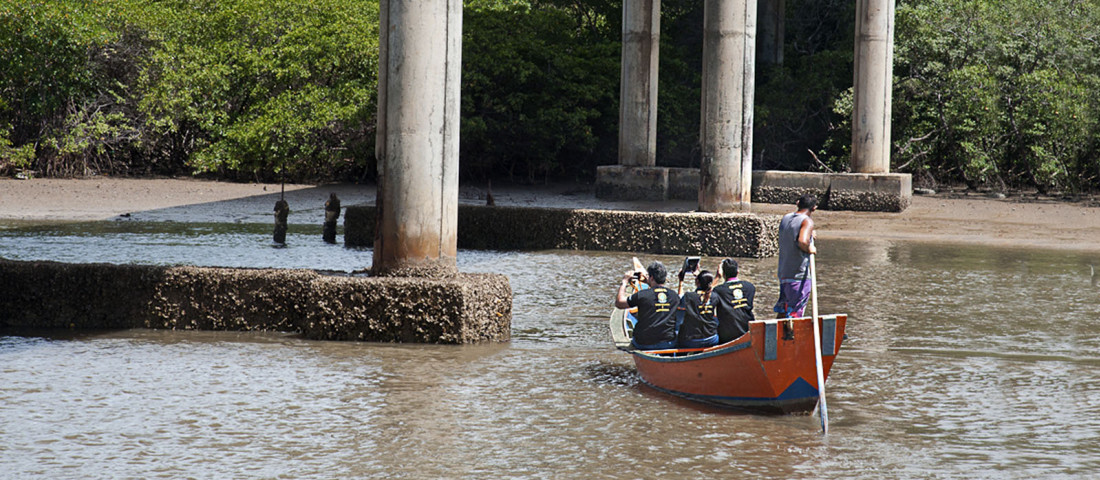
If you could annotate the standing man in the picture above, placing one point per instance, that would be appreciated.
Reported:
(656, 326)
(733, 302)
(796, 244)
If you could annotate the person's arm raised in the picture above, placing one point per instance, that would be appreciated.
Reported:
(806, 236)
(620, 297)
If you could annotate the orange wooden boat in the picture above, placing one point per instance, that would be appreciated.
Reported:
(771, 368)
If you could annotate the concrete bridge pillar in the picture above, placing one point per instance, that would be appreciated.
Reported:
(638, 89)
(636, 176)
(729, 51)
(417, 138)
(874, 61)
(771, 16)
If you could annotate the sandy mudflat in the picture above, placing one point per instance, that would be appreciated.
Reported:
(169, 199)
(972, 219)
(981, 220)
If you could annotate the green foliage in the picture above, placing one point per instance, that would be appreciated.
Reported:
(90, 141)
(999, 93)
(13, 159)
(40, 59)
(679, 87)
(538, 92)
(264, 85)
(802, 106)
(44, 72)
(117, 86)
(994, 93)
(541, 86)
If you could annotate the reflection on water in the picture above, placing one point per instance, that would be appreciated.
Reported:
(962, 362)
(200, 244)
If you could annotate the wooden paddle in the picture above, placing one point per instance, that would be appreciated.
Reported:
(823, 412)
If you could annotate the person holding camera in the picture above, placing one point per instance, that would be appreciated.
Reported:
(733, 301)
(700, 327)
(656, 318)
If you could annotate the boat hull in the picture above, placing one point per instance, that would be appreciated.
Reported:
(770, 369)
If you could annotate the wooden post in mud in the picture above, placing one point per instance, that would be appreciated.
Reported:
(729, 52)
(332, 214)
(417, 137)
(282, 211)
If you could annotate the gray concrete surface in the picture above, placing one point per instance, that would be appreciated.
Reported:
(420, 59)
(770, 27)
(873, 63)
(641, 43)
(728, 86)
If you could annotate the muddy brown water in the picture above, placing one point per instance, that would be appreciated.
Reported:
(961, 362)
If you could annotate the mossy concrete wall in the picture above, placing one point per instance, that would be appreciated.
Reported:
(533, 228)
(466, 308)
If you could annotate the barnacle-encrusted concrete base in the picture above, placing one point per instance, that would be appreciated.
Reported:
(537, 228)
(465, 308)
(881, 192)
(877, 192)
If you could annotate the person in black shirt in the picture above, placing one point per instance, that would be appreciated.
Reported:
(656, 326)
(700, 327)
(733, 301)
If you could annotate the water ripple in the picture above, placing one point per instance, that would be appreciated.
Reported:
(960, 363)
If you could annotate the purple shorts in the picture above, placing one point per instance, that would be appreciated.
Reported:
(793, 296)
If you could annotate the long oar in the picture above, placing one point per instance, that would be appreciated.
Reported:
(817, 349)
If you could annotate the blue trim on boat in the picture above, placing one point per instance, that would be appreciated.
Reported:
(799, 392)
(799, 388)
(693, 356)
(828, 336)
(771, 338)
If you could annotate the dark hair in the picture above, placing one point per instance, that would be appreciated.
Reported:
(657, 272)
(704, 280)
(807, 201)
(729, 268)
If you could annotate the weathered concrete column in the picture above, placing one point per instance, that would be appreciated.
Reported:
(417, 146)
(874, 70)
(638, 89)
(771, 18)
(729, 50)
